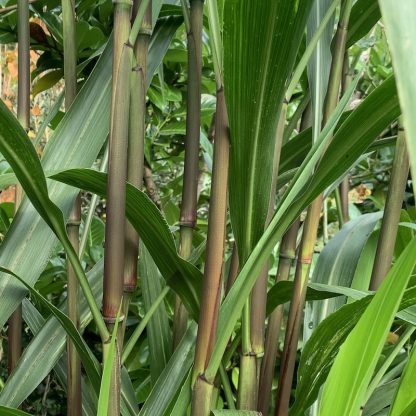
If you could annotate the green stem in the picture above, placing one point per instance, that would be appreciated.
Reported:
(375, 382)
(95, 199)
(391, 216)
(137, 125)
(190, 175)
(140, 328)
(226, 387)
(23, 114)
(74, 397)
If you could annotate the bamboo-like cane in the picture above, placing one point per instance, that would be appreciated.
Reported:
(23, 114)
(136, 146)
(190, 176)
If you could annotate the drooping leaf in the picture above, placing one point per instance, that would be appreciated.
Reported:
(89, 362)
(183, 277)
(337, 263)
(83, 131)
(254, 78)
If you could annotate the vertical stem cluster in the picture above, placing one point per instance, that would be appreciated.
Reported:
(23, 114)
(190, 175)
(137, 125)
(116, 190)
(74, 364)
(310, 230)
(391, 217)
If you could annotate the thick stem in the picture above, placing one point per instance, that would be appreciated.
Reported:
(310, 229)
(117, 172)
(215, 240)
(137, 126)
(287, 255)
(202, 397)
(116, 184)
(190, 175)
(391, 217)
(23, 114)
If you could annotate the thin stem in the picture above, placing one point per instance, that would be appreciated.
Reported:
(95, 199)
(137, 125)
(391, 217)
(375, 382)
(310, 230)
(226, 386)
(23, 114)
(190, 175)
(74, 397)
(140, 328)
(344, 185)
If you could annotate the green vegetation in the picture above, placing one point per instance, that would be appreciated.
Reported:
(207, 207)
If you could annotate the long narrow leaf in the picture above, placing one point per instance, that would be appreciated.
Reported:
(355, 363)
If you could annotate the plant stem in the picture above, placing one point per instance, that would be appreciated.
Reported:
(287, 254)
(233, 271)
(344, 185)
(117, 172)
(91, 210)
(74, 397)
(137, 125)
(140, 328)
(190, 175)
(116, 184)
(375, 382)
(215, 240)
(391, 216)
(310, 230)
(151, 188)
(23, 114)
